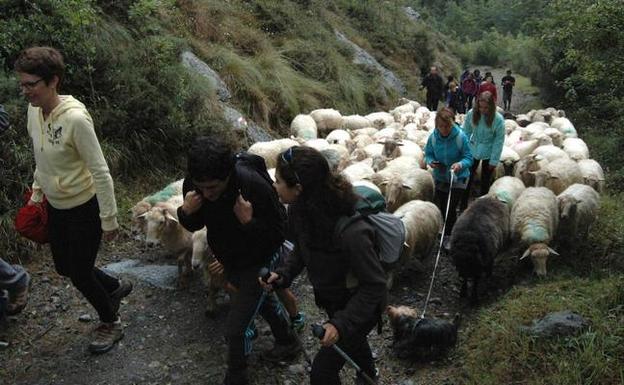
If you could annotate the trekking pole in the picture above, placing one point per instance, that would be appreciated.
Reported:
(319, 332)
(264, 275)
(435, 267)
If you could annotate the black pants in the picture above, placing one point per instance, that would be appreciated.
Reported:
(469, 99)
(441, 199)
(507, 100)
(243, 305)
(327, 362)
(432, 102)
(486, 180)
(75, 236)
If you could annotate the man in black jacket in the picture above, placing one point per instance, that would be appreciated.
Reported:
(245, 228)
(435, 88)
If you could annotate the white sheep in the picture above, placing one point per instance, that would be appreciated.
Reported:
(201, 260)
(528, 164)
(363, 140)
(318, 144)
(337, 156)
(144, 205)
(508, 160)
(373, 150)
(359, 171)
(523, 120)
(423, 221)
(510, 126)
(271, 149)
(534, 222)
(578, 208)
(592, 174)
(513, 138)
(576, 148)
(406, 108)
(355, 122)
(551, 152)
(414, 103)
(338, 137)
(327, 119)
(524, 148)
(565, 126)
(303, 126)
(402, 181)
(558, 175)
(370, 131)
(380, 119)
(164, 228)
(507, 189)
(556, 136)
(533, 130)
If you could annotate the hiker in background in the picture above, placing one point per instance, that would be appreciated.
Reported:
(489, 74)
(435, 88)
(488, 86)
(464, 75)
(449, 79)
(71, 171)
(509, 82)
(478, 78)
(245, 225)
(485, 129)
(317, 199)
(469, 88)
(447, 150)
(455, 99)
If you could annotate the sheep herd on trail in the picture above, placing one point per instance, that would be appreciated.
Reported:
(545, 196)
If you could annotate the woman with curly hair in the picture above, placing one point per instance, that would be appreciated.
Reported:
(345, 271)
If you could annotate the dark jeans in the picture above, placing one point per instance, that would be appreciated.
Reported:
(469, 99)
(327, 362)
(75, 236)
(486, 180)
(243, 305)
(432, 102)
(441, 198)
(507, 99)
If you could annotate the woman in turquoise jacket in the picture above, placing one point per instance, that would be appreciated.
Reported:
(447, 150)
(485, 129)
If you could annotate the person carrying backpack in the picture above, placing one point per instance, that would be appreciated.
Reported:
(447, 150)
(245, 222)
(470, 89)
(318, 199)
(455, 99)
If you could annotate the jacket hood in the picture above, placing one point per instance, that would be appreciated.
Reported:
(67, 103)
(454, 132)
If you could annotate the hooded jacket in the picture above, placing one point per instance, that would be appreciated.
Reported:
(70, 167)
(448, 150)
(485, 142)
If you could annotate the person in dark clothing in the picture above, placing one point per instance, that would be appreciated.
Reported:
(470, 89)
(509, 82)
(435, 88)
(245, 230)
(488, 74)
(345, 271)
(455, 99)
(449, 79)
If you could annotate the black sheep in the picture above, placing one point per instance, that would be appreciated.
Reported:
(477, 237)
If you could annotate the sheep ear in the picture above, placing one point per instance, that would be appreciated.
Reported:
(538, 157)
(526, 254)
(552, 176)
(407, 187)
(533, 172)
(553, 251)
(143, 215)
(171, 217)
(385, 182)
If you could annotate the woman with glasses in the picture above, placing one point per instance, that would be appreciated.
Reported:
(72, 173)
(346, 274)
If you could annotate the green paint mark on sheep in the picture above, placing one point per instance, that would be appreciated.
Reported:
(162, 195)
(535, 232)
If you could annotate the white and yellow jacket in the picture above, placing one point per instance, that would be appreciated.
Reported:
(70, 166)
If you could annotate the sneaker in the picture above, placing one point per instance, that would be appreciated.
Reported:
(18, 298)
(125, 288)
(359, 380)
(297, 322)
(281, 353)
(106, 335)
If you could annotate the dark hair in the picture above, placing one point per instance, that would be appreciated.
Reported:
(45, 62)
(209, 158)
(325, 197)
(476, 113)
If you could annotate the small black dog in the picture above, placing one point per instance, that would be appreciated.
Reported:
(418, 338)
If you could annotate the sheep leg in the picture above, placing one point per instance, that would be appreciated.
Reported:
(185, 269)
(211, 298)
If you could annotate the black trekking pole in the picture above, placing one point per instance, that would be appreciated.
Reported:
(264, 275)
(319, 332)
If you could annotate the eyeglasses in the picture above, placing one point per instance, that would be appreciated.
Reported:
(287, 158)
(30, 85)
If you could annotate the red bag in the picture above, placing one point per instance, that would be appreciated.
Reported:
(32, 221)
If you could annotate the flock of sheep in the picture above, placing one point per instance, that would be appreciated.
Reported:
(546, 188)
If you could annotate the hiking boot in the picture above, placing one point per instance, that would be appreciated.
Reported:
(297, 322)
(18, 298)
(106, 335)
(238, 378)
(281, 353)
(125, 288)
(359, 379)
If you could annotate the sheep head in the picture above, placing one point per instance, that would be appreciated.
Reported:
(394, 192)
(159, 220)
(539, 253)
(567, 207)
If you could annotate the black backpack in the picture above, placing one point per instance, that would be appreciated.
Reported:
(254, 162)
